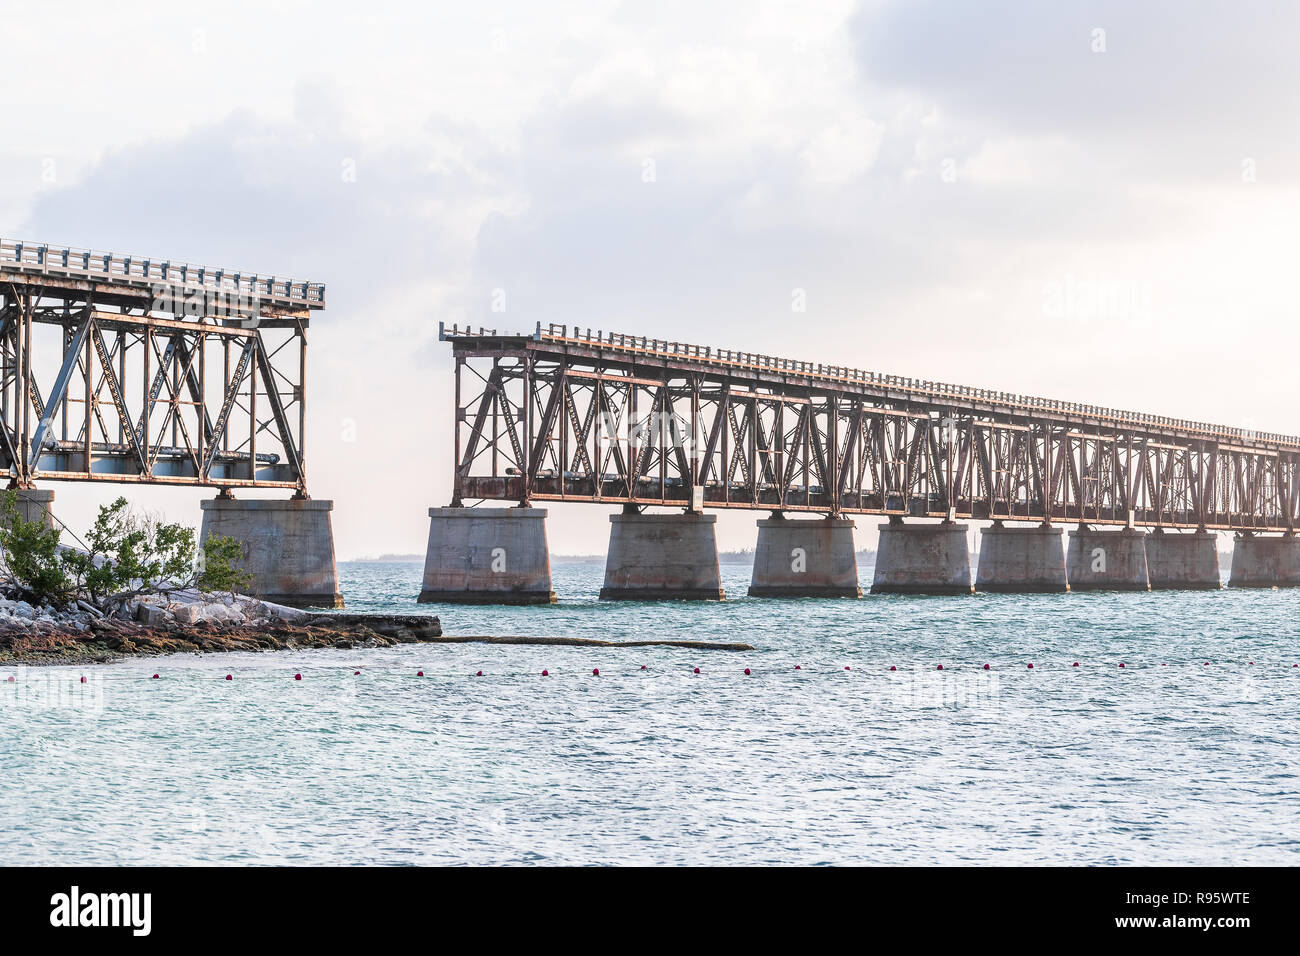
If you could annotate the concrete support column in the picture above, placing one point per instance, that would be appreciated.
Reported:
(801, 558)
(1183, 561)
(1107, 560)
(1265, 562)
(35, 504)
(662, 557)
(1016, 560)
(487, 556)
(922, 559)
(288, 547)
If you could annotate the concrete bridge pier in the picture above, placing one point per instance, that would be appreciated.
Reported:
(802, 558)
(1021, 560)
(35, 504)
(1107, 560)
(662, 557)
(487, 556)
(1182, 561)
(288, 546)
(1259, 562)
(922, 559)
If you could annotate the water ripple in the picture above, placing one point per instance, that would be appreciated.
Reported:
(1164, 761)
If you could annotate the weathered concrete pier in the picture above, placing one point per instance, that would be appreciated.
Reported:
(662, 557)
(1110, 560)
(1265, 562)
(487, 556)
(288, 546)
(35, 504)
(804, 558)
(922, 559)
(1021, 560)
(1186, 561)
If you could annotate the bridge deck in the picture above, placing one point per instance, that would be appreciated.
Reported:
(43, 264)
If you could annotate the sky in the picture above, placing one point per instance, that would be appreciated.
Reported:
(1091, 201)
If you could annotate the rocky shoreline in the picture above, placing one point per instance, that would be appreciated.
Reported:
(193, 623)
(189, 622)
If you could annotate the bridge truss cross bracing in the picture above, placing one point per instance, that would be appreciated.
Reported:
(570, 415)
(119, 368)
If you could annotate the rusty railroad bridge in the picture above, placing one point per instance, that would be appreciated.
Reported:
(124, 369)
(565, 414)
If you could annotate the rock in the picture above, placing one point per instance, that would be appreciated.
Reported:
(222, 614)
(207, 627)
(282, 613)
(401, 628)
(151, 616)
(251, 606)
(188, 613)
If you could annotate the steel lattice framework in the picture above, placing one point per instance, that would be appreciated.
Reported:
(119, 368)
(570, 415)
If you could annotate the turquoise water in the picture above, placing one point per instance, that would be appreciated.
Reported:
(1167, 760)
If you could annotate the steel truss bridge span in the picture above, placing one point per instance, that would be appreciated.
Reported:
(566, 414)
(128, 369)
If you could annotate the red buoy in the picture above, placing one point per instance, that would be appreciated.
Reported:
(986, 667)
(595, 672)
(643, 667)
(697, 670)
(10, 678)
(419, 673)
(847, 668)
(83, 680)
(940, 667)
(297, 677)
(155, 677)
(893, 668)
(746, 671)
(478, 673)
(229, 677)
(355, 673)
(1031, 666)
(798, 667)
(1075, 664)
(546, 673)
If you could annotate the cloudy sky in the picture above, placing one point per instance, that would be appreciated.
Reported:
(1094, 201)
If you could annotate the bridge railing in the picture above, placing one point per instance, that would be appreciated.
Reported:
(838, 373)
(95, 265)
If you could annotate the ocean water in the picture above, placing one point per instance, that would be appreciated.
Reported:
(1187, 755)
